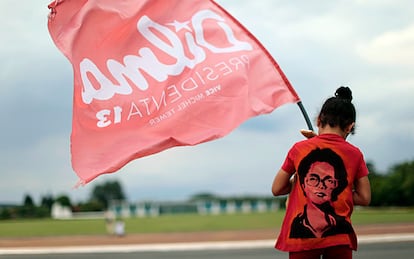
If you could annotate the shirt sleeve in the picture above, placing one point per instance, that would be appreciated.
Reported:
(362, 169)
(289, 165)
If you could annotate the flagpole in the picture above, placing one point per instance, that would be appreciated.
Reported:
(305, 114)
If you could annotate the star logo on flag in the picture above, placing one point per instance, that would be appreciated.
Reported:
(180, 25)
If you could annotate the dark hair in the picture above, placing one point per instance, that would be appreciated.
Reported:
(338, 110)
(330, 157)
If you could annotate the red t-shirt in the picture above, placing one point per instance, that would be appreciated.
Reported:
(320, 205)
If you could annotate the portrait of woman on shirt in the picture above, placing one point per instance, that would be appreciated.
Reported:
(322, 176)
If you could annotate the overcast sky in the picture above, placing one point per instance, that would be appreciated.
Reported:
(320, 45)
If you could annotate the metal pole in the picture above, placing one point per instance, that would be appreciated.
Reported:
(305, 114)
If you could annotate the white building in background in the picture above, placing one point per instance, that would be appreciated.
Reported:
(60, 212)
(203, 206)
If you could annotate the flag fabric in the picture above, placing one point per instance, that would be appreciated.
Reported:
(149, 75)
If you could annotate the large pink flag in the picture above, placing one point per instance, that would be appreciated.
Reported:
(154, 74)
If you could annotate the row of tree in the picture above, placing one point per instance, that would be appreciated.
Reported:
(98, 201)
(394, 188)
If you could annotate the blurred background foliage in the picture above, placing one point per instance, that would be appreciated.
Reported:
(394, 188)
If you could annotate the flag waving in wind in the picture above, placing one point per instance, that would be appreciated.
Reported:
(154, 74)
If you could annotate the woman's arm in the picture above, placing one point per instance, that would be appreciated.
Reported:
(282, 183)
(362, 191)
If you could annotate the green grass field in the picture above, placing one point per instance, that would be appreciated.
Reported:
(183, 223)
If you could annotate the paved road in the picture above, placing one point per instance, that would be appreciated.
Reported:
(382, 250)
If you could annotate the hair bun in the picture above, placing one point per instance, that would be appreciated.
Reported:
(344, 93)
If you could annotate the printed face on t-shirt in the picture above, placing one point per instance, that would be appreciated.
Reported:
(320, 182)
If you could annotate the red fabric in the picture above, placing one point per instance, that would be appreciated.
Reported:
(314, 217)
(151, 75)
(337, 252)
